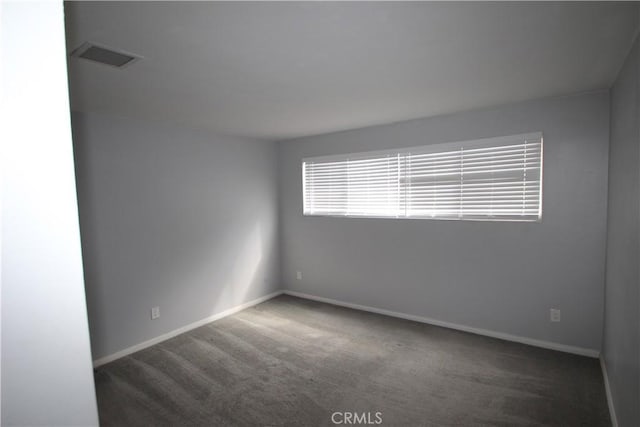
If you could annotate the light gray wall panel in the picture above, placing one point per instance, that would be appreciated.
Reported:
(621, 323)
(171, 217)
(500, 276)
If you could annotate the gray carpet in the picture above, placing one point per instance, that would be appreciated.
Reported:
(293, 362)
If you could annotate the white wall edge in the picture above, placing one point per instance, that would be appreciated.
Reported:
(607, 387)
(503, 336)
(129, 350)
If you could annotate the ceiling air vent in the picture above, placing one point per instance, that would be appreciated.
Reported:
(105, 55)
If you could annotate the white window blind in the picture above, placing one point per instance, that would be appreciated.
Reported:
(491, 179)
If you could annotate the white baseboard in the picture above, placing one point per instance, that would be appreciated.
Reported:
(163, 337)
(607, 387)
(507, 337)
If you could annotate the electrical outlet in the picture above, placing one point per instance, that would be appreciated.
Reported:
(299, 275)
(155, 313)
(554, 315)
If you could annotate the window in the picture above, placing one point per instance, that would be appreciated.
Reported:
(488, 179)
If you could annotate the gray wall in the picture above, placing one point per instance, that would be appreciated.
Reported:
(170, 217)
(498, 276)
(621, 322)
(46, 360)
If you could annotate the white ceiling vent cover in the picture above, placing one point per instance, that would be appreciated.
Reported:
(105, 55)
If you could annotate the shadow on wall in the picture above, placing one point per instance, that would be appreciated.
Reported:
(197, 275)
(245, 271)
(227, 270)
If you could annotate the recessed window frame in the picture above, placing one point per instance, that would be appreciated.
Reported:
(436, 150)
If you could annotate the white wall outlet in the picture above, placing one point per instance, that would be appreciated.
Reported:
(554, 315)
(299, 275)
(155, 313)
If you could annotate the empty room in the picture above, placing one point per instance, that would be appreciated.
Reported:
(320, 213)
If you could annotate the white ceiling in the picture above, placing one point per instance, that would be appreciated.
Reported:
(283, 70)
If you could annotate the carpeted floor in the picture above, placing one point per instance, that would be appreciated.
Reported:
(293, 362)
